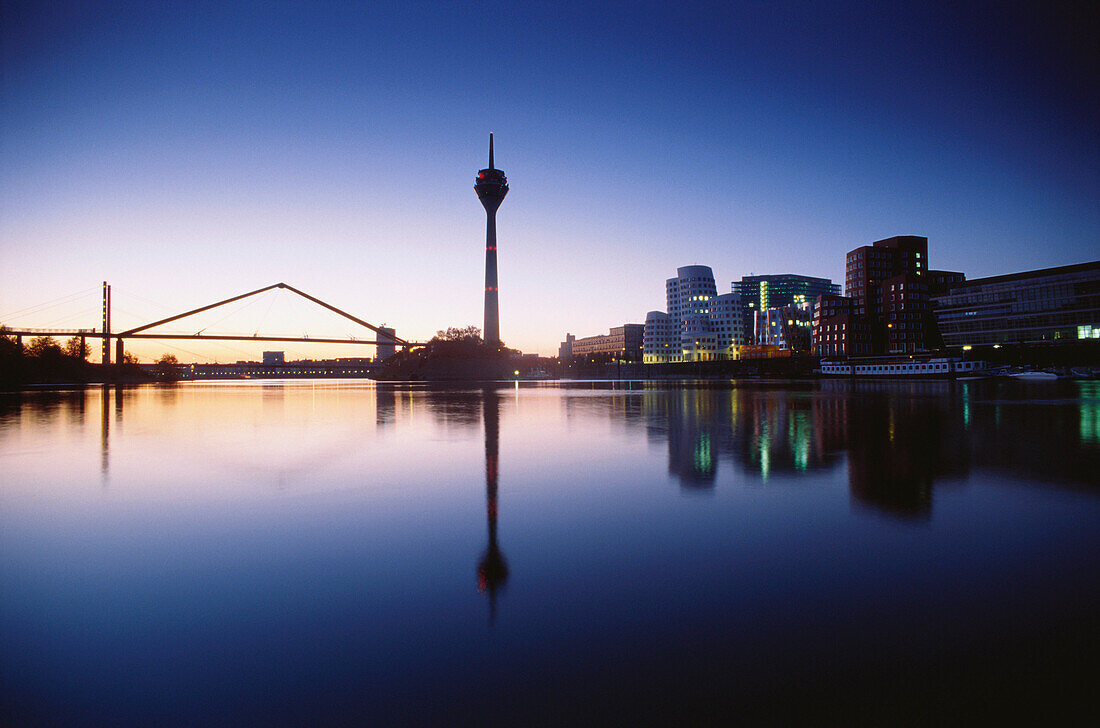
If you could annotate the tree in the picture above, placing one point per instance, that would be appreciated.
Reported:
(128, 358)
(168, 367)
(470, 334)
(12, 362)
(43, 346)
(77, 349)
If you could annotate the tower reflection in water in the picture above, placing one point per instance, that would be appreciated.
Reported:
(492, 570)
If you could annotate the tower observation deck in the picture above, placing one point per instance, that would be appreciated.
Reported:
(491, 186)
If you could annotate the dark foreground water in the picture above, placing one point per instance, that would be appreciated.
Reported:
(311, 553)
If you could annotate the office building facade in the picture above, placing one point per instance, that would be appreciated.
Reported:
(868, 266)
(621, 343)
(836, 331)
(891, 288)
(1048, 306)
(785, 327)
(565, 349)
(760, 293)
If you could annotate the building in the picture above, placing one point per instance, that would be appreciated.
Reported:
(274, 357)
(386, 344)
(941, 281)
(565, 349)
(869, 265)
(699, 325)
(763, 351)
(690, 291)
(890, 286)
(491, 186)
(785, 327)
(697, 339)
(659, 338)
(836, 331)
(1052, 305)
(728, 323)
(687, 295)
(907, 314)
(759, 293)
(621, 343)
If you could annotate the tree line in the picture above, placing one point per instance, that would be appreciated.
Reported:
(44, 360)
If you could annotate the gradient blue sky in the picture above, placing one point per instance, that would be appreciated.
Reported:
(188, 152)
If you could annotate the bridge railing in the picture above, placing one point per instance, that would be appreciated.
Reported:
(67, 332)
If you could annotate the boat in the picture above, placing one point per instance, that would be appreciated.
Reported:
(939, 367)
(1034, 376)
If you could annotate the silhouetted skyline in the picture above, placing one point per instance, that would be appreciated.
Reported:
(187, 153)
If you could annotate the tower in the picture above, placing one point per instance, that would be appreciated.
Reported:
(491, 186)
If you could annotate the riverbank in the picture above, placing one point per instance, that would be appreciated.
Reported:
(68, 374)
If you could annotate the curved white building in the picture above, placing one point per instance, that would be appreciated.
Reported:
(700, 325)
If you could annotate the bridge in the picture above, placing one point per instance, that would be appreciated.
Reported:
(382, 337)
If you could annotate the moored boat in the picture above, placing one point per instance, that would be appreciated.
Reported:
(1030, 375)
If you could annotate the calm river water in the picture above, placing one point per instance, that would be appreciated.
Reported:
(316, 552)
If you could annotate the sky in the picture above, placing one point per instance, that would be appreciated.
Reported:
(189, 152)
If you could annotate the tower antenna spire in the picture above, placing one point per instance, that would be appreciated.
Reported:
(491, 186)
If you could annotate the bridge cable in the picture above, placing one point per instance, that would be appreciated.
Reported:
(144, 300)
(92, 313)
(188, 351)
(52, 303)
(227, 346)
(263, 318)
(223, 318)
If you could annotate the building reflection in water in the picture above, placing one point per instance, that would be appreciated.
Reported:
(692, 439)
(897, 445)
(1059, 446)
(385, 404)
(761, 432)
(899, 438)
(492, 570)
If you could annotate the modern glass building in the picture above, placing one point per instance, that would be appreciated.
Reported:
(1041, 306)
(787, 327)
(773, 291)
(759, 293)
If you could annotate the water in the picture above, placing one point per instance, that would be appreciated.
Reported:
(318, 552)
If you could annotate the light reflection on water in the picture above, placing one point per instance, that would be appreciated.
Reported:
(281, 553)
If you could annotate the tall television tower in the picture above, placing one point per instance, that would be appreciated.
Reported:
(491, 186)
